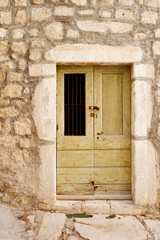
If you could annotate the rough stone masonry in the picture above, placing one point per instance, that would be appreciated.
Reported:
(28, 30)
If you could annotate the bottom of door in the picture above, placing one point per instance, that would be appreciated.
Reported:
(94, 197)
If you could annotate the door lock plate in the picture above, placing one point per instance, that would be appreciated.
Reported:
(93, 115)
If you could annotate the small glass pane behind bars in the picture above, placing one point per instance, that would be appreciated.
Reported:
(74, 104)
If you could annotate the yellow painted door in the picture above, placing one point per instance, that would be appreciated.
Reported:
(94, 161)
(112, 144)
(75, 169)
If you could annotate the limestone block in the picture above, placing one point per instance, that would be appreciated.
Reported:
(31, 219)
(8, 140)
(19, 47)
(34, 32)
(41, 69)
(64, 11)
(86, 12)
(8, 65)
(3, 58)
(37, 43)
(12, 91)
(26, 91)
(4, 3)
(126, 207)
(154, 226)
(3, 32)
(2, 75)
(141, 108)
(104, 14)
(126, 2)
(7, 126)
(50, 55)
(93, 3)
(5, 17)
(157, 33)
(19, 155)
(21, 17)
(96, 26)
(156, 47)
(124, 14)
(52, 225)
(22, 64)
(38, 1)
(35, 54)
(94, 207)
(54, 30)
(4, 102)
(67, 206)
(149, 17)
(18, 103)
(97, 53)
(18, 33)
(118, 27)
(140, 36)
(14, 76)
(20, 2)
(72, 34)
(25, 143)
(143, 70)
(154, 3)
(11, 226)
(9, 112)
(22, 126)
(79, 2)
(120, 227)
(47, 185)
(3, 47)
(92, 26)
(108, 3)
(145, 182)
(40, 14)
(44, 112)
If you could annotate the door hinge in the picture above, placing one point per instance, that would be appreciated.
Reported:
(57, 127)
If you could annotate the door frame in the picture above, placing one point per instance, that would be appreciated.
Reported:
(144, 156)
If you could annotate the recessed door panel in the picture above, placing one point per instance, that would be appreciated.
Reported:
(112, 104)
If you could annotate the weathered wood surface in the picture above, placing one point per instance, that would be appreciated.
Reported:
(97, 164)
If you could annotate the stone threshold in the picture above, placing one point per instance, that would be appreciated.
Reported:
(122, 207)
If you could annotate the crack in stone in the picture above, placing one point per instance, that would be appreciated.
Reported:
(146, 228)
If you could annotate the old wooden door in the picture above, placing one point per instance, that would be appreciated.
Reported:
(93, 132)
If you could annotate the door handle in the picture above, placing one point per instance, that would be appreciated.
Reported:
(94, 107)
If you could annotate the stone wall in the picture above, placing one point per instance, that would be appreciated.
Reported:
(29, 29)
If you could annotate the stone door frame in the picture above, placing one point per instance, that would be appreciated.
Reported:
(144, 157)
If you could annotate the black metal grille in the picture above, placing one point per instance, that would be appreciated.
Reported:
(74, 102)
